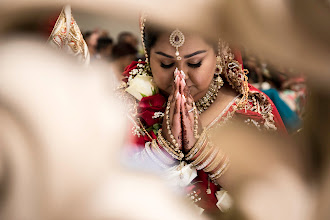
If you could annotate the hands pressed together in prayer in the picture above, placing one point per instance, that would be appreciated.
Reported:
(181, 122)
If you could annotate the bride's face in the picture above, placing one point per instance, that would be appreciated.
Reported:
(198, 63)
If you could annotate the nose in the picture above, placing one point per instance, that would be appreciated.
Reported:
(182, 67)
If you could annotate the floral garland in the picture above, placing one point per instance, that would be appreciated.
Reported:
(138, 82)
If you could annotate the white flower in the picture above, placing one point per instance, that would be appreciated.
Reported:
(158, 115)
(141, 86)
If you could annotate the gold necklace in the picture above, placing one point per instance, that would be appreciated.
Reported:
(210, 96)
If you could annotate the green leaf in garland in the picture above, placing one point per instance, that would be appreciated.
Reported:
(156, 126)
(154, 92)
(143, 95)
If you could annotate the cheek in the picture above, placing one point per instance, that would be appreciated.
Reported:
(162, 77)
(202, 76)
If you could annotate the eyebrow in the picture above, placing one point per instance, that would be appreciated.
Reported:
(186, 56)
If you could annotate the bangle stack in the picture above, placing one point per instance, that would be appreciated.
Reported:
(160, 154)
(205, 156)
(174, 152)
(153, 157)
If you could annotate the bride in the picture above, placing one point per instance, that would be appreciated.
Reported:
(185, 88)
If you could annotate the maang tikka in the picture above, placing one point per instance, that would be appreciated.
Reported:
(177, 40)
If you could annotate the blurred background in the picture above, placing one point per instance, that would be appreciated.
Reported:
(63, 128)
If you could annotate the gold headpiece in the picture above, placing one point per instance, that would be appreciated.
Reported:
(177, 40)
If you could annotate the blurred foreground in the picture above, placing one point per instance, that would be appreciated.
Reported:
(62, 129)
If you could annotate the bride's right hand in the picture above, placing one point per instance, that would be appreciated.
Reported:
(174, 113)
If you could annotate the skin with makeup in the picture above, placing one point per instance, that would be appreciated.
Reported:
(184, 81)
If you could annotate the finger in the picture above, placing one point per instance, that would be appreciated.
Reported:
(188, 138)
(176, 118)
(174, 85)
(187, 109)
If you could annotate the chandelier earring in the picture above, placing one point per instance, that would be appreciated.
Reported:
(217, 75)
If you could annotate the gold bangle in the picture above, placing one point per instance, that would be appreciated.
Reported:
(201, 149)
(160, 153)
(215, 163)
(153, 157)
(208, 160)
(221, 170)
(203, 154)
(197, 146)
(170, 150)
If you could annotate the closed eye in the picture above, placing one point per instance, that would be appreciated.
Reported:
(166, 66)
(195, 65)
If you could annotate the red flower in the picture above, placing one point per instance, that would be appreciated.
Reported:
(140, 141)
(148, 106)
(130, 67)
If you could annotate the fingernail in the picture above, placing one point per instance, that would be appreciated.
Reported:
(183, 82)
(183, 74)
(177, 94)
(176, 78)
(184, 98)
(176, 71)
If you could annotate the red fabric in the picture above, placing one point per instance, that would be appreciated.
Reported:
(46, 26)
(277, 118)
(238, 56)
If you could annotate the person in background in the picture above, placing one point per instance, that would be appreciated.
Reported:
(122, 55)
(127, 37)
(104, 48)
(91, 38)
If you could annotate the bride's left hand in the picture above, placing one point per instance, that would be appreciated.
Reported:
(188, 118)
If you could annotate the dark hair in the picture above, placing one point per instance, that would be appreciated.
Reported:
(87, 34)
(121, 50)
(103, 42)
(121, 36)
(152, 33)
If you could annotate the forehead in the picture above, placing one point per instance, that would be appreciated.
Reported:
(191, 44)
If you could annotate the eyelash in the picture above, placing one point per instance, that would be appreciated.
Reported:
(166, 66)
(195, 65)
(192, 65)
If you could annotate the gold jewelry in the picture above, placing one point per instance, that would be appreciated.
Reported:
(153, 157)
(208, 160)
(175, 154)
(193, 151)
(215, 163)
(210, 96)
(221, 170)
(196, 135)
(143, 20)
(203, 154)
(167, 117)
(217, 82)
(160, 153)
(177, 40)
